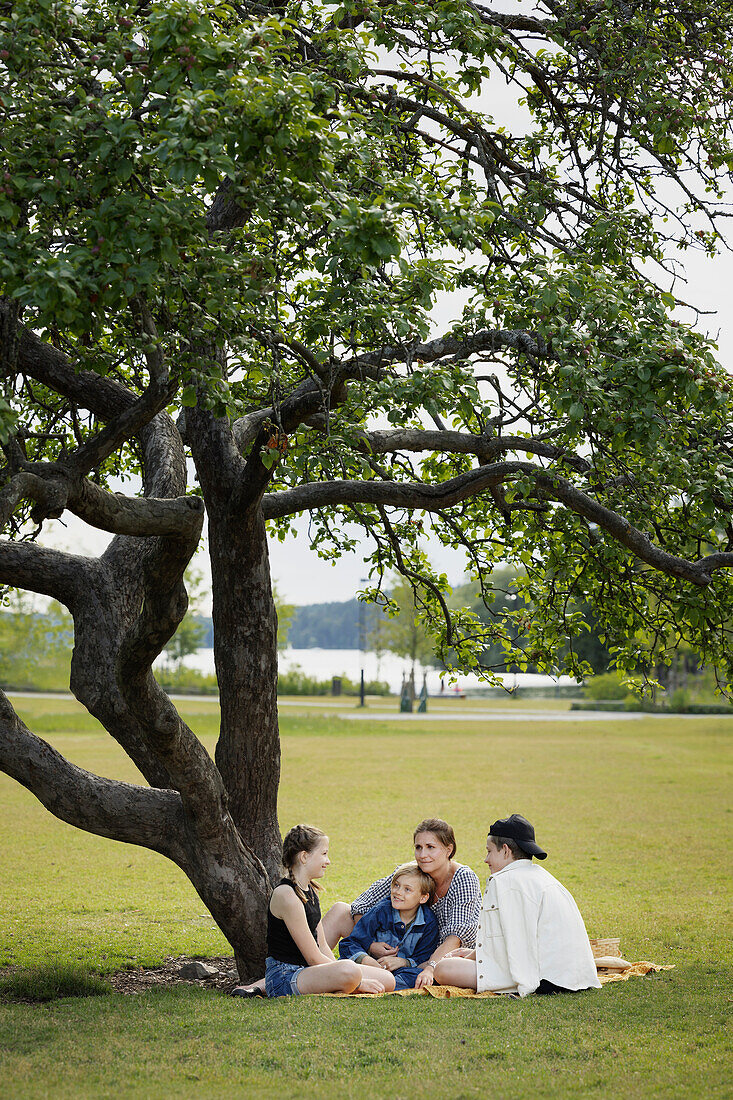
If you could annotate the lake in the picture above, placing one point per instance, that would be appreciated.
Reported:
(325, 663)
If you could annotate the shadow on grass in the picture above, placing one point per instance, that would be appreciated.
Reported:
(39, 984)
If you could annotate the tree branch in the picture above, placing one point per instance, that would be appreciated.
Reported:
(40, 360)
(54, 491)
(491, 340)
(513, 22)
(431, 498)
(485, 448)
(122, 515)
(127, 424)
(120, 811)
(191, 769)
(52, 573)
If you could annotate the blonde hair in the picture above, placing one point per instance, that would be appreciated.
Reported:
(301, 838)
(439, 828)
(425, 883)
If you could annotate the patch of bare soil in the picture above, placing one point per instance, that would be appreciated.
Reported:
(169, 974)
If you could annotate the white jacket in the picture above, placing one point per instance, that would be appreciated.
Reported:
(530, 928)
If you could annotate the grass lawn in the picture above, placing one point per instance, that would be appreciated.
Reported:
(619, 805)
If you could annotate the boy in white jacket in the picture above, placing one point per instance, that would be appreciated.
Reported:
(531, 937)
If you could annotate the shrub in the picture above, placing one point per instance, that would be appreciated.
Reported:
(186, 680)
(680, 699)
(606, 686)
(296, 682)
(49, 983)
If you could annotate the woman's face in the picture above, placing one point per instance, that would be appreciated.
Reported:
(431, 854)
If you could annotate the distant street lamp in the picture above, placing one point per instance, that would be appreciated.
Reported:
(362, 645)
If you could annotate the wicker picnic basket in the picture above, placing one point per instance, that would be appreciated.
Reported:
(605, 947)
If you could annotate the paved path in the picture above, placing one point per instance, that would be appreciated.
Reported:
(501, 716)
(457, 715)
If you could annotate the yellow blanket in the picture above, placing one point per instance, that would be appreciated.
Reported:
(443, 992)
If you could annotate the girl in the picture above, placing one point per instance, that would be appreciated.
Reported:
(299, 958)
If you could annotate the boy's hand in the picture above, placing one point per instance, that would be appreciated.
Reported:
(379, 949)
(393, 963)
(460, 953)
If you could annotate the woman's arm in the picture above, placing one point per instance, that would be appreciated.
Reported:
(427, 974)
(462, 908)
(463, 905)
(288, 907)
(373, 894)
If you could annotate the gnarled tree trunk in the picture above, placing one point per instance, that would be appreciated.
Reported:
(245, 652)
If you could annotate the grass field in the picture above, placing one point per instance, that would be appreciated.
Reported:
(636, 817)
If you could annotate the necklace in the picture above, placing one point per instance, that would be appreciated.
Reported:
(442, 890)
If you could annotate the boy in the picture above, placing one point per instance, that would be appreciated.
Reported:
(404, 921)
(531, 936)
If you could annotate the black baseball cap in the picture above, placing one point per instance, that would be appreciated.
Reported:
(517, 828)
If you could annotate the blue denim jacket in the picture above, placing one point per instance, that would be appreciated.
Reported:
(416, 942)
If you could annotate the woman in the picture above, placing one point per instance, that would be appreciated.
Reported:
(457, 898)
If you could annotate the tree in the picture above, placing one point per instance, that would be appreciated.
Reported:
(190, 633)
(508, 614)
(35, 646)
(400, 629)
(285, 613)
(225, 227)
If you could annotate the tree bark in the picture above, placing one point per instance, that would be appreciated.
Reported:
(245, 635)
(225, 873)
(245, 655)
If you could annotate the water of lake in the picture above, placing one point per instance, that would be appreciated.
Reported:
(325, 663)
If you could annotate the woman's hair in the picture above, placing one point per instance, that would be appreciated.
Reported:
(439, 828)
(500, 841)
(301, 838)
(425, 884)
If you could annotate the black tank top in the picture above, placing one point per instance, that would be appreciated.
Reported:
(280, 944)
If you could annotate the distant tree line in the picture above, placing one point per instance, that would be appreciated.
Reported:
(35, 646)
(345, 625)
(29, 640)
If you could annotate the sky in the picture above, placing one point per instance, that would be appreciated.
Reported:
(301, 577)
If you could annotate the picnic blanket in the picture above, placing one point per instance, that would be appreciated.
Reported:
(445, 992)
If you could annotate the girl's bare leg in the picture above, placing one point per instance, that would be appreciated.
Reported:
(460, 972)
(336, 977)
(337, 923)
(385, 978)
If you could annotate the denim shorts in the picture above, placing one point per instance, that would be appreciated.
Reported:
(281, 978)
